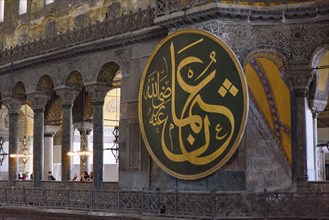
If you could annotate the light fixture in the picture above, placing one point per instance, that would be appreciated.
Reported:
(115, 147)
(82, 154)
(3, 154)
(25, 154)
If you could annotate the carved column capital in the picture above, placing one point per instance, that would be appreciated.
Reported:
(50, 130)
(300, 79)
(316, 105)
(13, 105)
(39, 100)
(67, 95)
(98, 93)
(84, 126)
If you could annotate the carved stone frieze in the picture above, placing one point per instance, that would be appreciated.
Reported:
(296, 42)
(5, 86)
(124, 58)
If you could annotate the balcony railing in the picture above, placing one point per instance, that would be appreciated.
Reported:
(109, 27)
(279, 205)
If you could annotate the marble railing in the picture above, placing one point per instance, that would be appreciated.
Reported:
(107, 28)
(57, 185)
(266, 205)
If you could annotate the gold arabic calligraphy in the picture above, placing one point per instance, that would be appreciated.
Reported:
(162, 95)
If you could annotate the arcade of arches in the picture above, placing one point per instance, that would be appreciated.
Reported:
(70, 75)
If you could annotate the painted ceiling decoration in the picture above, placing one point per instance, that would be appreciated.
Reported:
(272, 97)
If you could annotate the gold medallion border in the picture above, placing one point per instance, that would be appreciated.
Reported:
(245, 98)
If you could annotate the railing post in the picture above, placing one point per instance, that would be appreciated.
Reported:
(66, 198)
(320, 203)
(176, 200)
(213, 205)
(266, 205)
(118, 205)
(92, 199)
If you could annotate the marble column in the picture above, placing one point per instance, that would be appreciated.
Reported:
(318, 103)
(39, 101)
(13, 106)
(67, 97)
(84, 128)
(98, 93)
(300, 80)
(49, 132)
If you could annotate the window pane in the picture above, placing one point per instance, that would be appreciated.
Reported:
(49, 1)
(22, 6)
(2, 9)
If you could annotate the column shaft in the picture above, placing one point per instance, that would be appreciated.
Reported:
(13, 146)
(66, 143)
(301, 139)
(48, 155)
(301, 79)
(98, 94)
(13, 106)
(38, 146)
(98, 144)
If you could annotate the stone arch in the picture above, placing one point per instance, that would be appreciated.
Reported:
(108, 72)
(19, 90)
(50, 26)
(114, 9)
(271, 54)
(45, 84)
(74, 80)
(22, 35)
(79, 15)
(319, 88)
(271, 95)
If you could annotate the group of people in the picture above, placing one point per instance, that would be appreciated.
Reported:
(84, 177)
(25, 176)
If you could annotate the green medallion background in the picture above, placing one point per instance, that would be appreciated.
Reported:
(193, 104)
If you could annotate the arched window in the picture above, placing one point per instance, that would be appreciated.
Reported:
(22, 6)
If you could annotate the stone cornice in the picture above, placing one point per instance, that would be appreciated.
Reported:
(282, 14)
(113, 42)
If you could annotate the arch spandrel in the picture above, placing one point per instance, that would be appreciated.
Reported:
(271, 96)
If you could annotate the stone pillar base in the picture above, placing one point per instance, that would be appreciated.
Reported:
(302, 184)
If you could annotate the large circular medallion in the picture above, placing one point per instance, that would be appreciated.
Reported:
(193, 104)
